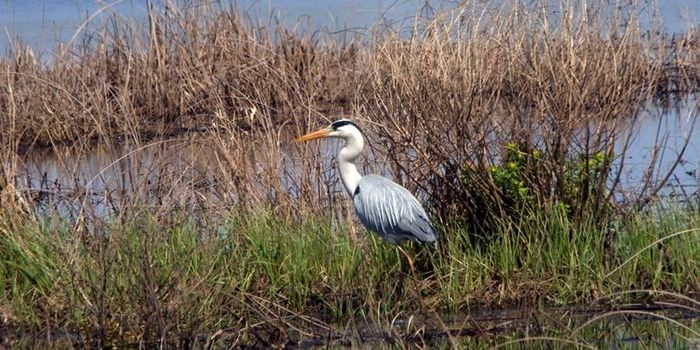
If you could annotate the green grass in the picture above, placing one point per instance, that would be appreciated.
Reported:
(168, 279)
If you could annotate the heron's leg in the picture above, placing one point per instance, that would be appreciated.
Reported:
(415, 284)
(353, 229)
(409, 259)
(421, 302)
(353, 232)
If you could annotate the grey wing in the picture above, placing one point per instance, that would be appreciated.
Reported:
(391, 210)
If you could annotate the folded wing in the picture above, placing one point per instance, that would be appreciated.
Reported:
(391, 211)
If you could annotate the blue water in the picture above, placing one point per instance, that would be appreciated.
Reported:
(43, 23)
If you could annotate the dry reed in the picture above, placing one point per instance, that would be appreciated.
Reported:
(196, 109)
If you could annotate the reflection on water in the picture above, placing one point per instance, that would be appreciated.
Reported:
(188, 172)
(633, 326)
(102, 179)
(663, 152)
(180, 173)
(651, 326)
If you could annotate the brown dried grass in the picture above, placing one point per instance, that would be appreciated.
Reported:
(446, 101)
(439, 104)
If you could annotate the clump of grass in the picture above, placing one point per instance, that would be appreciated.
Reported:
(169, 280)
(151, 281)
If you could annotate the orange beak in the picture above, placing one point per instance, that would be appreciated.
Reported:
(318, 134)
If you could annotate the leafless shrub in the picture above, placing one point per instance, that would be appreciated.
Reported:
(472, 84)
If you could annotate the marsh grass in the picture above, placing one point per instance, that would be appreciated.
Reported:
(504, 122)
(270, 279)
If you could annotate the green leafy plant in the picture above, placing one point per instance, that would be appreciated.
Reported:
(523, 180)
(510, 177)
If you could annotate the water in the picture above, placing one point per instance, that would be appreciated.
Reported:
(42, 23)
(663, 153)
(184, 172)
(631, 326)
(100, 180)
(652, 326)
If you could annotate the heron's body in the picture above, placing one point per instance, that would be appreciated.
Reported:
(382, 205)
(390, 210)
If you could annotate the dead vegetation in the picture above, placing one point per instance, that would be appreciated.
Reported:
(504, 119)
(441, 103)
(511, 87)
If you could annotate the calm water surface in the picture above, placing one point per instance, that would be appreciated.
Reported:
(41, 23)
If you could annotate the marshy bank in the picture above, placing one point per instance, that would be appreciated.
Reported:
(180, 212)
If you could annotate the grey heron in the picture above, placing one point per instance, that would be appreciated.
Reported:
(382, 205)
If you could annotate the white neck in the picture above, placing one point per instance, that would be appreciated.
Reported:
(346, 161)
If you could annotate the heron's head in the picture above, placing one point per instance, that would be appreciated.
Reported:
(343, 128)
